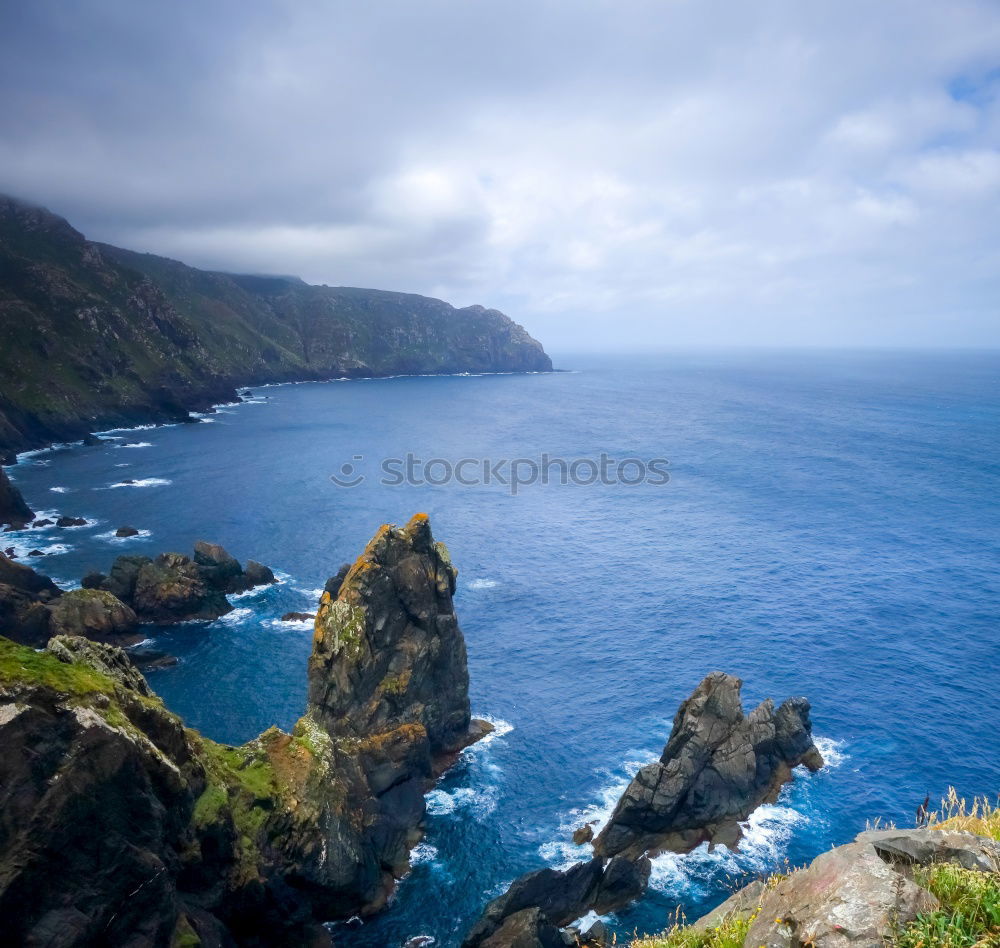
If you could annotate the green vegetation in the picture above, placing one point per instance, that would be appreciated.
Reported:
(979, 817)
(969, 913)
(729, 934)
(21, 666)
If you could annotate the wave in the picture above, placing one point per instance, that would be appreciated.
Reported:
(483, 584)
(236, 616)
(423, 853)
(110, 537)
(695, 875)
(60, 490)
(476, 802)
(135, 444)
(22, 547)
(288, 625)
(144, 482)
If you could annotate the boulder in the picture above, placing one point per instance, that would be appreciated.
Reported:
(526, 929)
(171, 589)
(93, 580)
(717, 767)
(13, 509)
(560, 895)
(583, 834)
(739, 906)
(297, 616)
(624, 881)
(35, 553)
(126, 532)
(71, 522)
(94, 614)
(122, 578)
(44, 522)
(257, 574)
(219, 569)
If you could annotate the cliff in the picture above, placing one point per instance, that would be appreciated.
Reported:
(118, 825)
(93, 336)
(13, 509)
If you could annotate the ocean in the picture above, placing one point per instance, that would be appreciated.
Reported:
(830, 528)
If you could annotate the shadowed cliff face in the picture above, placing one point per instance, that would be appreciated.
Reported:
(13, 509)
(118, 825)
(93, 336)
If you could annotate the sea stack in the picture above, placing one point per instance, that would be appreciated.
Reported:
(13, 510)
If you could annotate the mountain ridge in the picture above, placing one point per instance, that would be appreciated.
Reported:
(94, 336)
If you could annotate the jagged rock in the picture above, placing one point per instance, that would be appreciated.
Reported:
(257, 574)
(624, 881)
(24, 599)
(218, 568)
(122, 578)
(71, 522)
(388, 649)
(126, 532)
(44, 522)
(94, 614)
(922, 847)
(171, 589)
(596, 935)
(583, 834)
(334, 583)
(13, 509)
(560, 895)
(717, 767)
(297, 616)
(166, 837)
(107, 659)
(526, 929)
(35, 553)
(93, 580)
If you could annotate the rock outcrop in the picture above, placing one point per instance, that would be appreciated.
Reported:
(177, 588)
(13, 510)
(118, 825)
(94, 614)
(718, 766)
(25, 599)
(859, 894)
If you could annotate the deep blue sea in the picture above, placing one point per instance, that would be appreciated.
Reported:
(831, 528)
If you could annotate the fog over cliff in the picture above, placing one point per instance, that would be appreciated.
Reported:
(633, 174)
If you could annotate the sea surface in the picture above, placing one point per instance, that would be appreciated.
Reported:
(831, 528)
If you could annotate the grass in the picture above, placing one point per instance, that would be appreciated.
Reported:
(979, 817)
(969, 914)
(729, 934)
(21, 666)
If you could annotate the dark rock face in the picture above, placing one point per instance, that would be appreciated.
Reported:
(297, 617)
(388, 651)
(126, 532)
(71, 522)
(153, 835)
(24, 603)
(334, 583)
(718, 766)
(219, 568)
(13, 509)
(526, 929)
(176, 339)
(257, 574)
(171, 588)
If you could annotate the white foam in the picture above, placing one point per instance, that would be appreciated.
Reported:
(135, 444)
(482, 584)
(236, 616)
(476, 802)
(288, 625)
(832, 751)
(501, 728)
(110, 537)
(141, 644)
(22, 547)
(423, 853)
(144, 482)
(60, 490)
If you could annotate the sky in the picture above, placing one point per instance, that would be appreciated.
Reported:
(613, 175)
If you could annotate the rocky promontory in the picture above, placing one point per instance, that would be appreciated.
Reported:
(13, 510)
(121, 826)
(141, 338)
(717, 767)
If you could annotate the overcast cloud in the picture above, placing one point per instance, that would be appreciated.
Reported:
(627, 173)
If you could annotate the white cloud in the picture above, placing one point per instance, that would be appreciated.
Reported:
(633, 174)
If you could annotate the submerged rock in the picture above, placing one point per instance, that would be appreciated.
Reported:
(718, 766)
(71, 522)
(297, 616)
(122, 532)
(13, 510)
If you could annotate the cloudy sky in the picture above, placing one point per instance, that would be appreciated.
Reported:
(622, 173)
